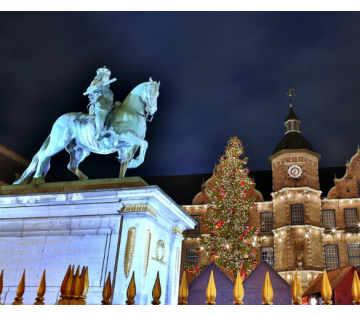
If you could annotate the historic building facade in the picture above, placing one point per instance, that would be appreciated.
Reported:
(300, 228)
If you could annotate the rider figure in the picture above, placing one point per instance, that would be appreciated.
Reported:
(101, 100)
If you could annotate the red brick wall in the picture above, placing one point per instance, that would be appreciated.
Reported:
(307, 160)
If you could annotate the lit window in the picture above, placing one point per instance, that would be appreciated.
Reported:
(328, 217)
(266, 220)
(297, 214)
(267, 254)
(292, 125)
(191, 256)
(350, 218)
(196, 229)
(331, 257)
(354, 255)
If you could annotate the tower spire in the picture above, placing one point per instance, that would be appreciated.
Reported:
(291, 95)
(292, 122)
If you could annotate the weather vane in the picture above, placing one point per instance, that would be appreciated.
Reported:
(291, 95)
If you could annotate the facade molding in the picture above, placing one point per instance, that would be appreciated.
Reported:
(139, 208)
(286, 190)
(292, 131)
(295, 151)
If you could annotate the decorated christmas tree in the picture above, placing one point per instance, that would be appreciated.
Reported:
(232, 241)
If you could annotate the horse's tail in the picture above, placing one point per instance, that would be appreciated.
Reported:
(27, 176)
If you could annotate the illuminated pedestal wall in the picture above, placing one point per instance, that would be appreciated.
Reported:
(109, 230)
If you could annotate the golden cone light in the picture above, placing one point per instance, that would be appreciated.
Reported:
(131, 291)
(326, 291)
(183, 291)
(1, 283)
(107, 291)
(238, 290)
(74, 287)
(20, 291)
(355, 289)
(211, 290)
(267, 291)
(296, 290)
(156, 293)
(41, 290)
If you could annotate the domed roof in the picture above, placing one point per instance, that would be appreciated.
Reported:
(293, 141)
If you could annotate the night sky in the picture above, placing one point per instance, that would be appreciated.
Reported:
(222, 74)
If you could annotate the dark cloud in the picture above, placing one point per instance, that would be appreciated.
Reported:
(222, 74)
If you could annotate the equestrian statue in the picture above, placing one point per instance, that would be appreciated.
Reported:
(108, 128)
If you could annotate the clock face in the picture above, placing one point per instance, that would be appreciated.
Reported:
(295, 171)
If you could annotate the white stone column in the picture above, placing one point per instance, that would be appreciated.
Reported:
(174, 267)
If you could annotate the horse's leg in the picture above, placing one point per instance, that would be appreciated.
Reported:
(132, 138)
(124, 159)
(46, 167)
(44, 157)
(77, 155)
(60, 136)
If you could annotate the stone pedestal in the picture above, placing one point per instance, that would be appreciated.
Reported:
(116, 225)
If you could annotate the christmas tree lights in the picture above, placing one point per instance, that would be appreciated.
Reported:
(232, 242)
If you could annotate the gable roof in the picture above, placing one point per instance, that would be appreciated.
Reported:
(206, 273)
(335, 277)
(275, 278)
(227, 273)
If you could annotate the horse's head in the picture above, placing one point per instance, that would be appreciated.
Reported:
(148, 93)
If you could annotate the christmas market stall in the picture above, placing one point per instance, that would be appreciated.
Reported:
(341, 282)
(253, 286)
(224, 281)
